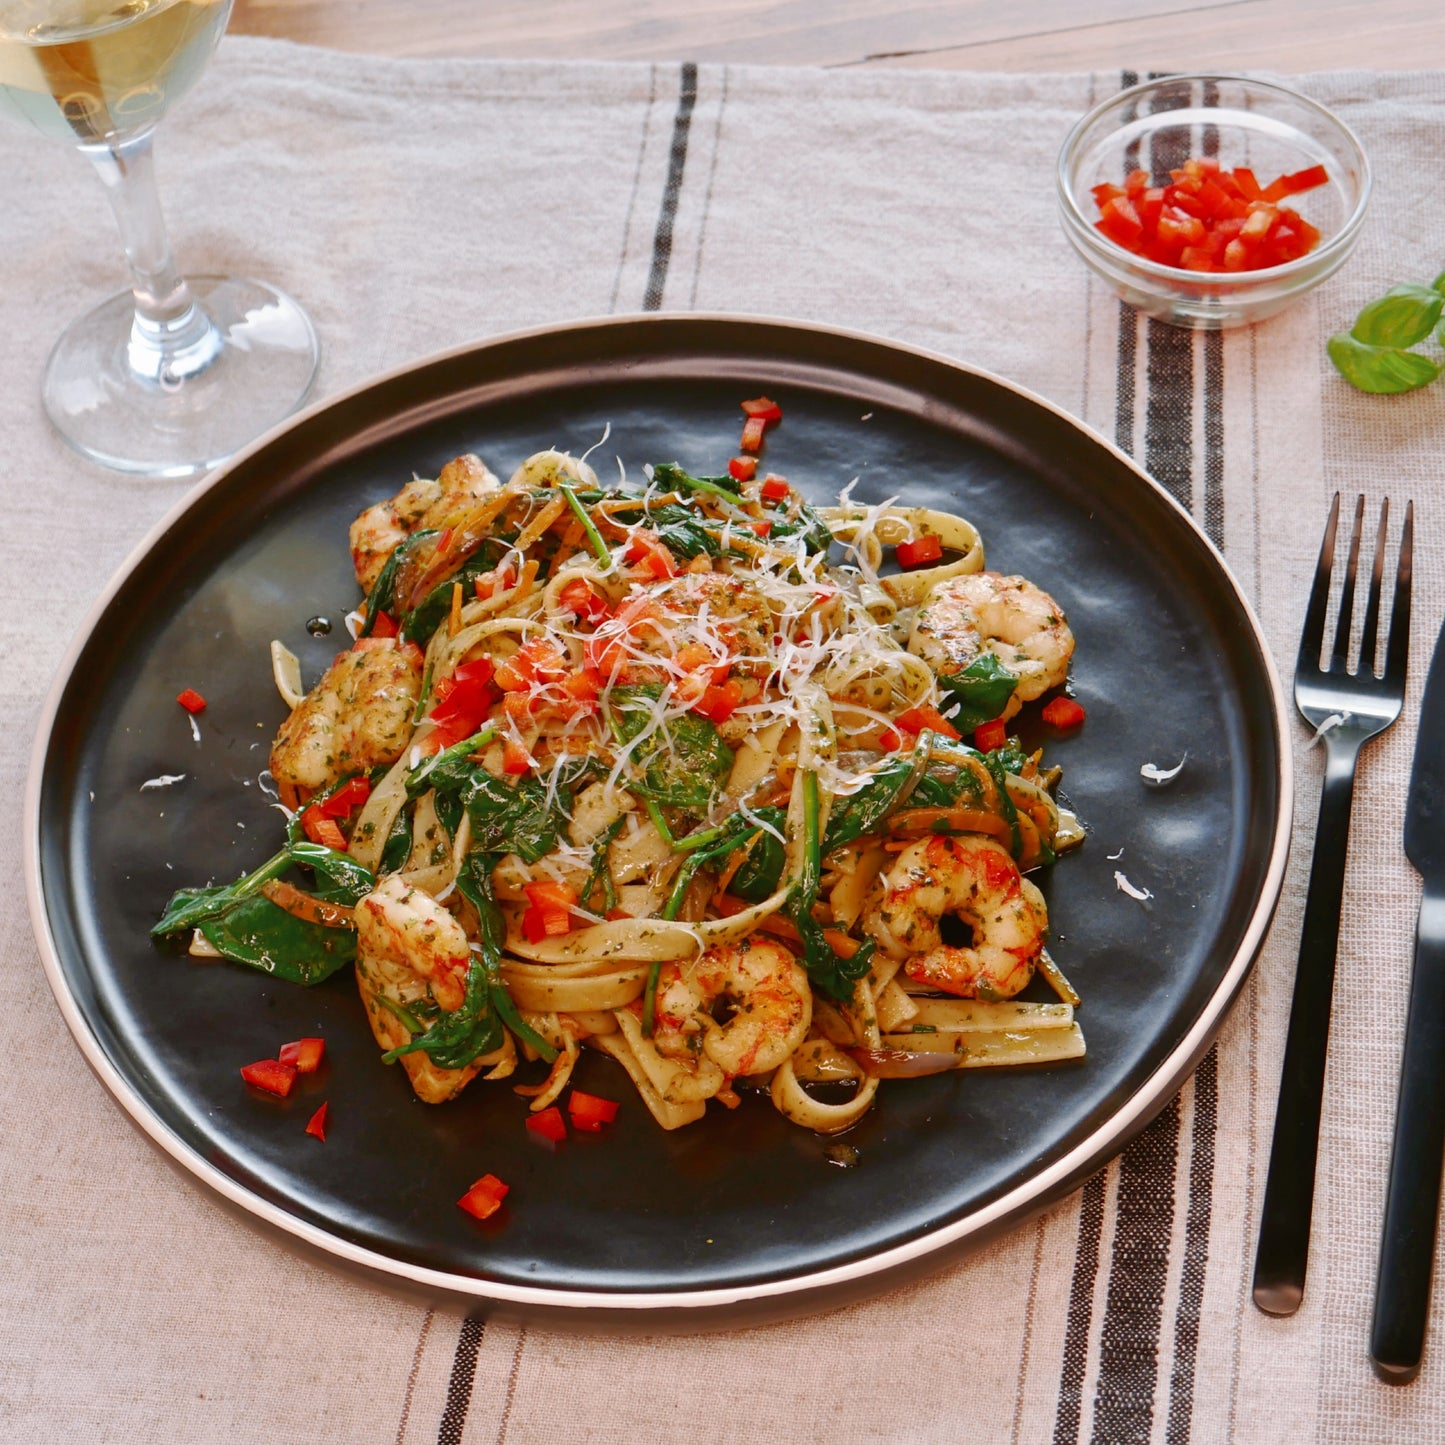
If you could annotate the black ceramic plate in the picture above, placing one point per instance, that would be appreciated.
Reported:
(742, 1208)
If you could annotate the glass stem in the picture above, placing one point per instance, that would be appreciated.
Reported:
(171, 338)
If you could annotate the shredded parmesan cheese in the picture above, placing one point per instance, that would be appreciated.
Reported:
(1124, 886)
(1153, 773)
(165, 780)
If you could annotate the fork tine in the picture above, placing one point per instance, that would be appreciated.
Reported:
(1398, 643)
(1312, 636)
(1370, 638)
(1340, 657)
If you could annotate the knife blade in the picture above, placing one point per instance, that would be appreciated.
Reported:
(1412, 1204)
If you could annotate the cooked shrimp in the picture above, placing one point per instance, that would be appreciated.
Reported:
(976, 880)
(357, 717)
(421, 504)
(1023, 627)
(767, 991)
(399, 925)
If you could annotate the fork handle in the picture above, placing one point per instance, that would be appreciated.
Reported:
(1282, 1256)
(1412, 1205)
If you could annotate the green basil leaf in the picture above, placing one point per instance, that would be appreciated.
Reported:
(1404, 315)
(256, 932)
(982, 691)
(1382, 370)
(1439, 283)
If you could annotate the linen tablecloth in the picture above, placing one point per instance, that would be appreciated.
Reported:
(413, 206)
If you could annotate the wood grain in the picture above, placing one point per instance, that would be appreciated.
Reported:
(1058, 35)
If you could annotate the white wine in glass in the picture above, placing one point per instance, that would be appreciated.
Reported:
(169, 378)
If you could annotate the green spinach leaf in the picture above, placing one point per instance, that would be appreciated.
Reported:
(982, 691)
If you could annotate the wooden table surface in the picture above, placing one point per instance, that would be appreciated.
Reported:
(1055, 35)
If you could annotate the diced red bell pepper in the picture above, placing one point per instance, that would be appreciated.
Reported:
(753, 430)
(321, 829)
(650, 553)
(775, 488)
(719, 701)
(589, 1112)
(1297, 181)
(916, 719)
(191, 700)
(550, 893)
(549, 1123)
(316, 1125)
(448, 734)
(271, 1075)
(990, 735)
(588, 605)
(584, 684)
(516, 760)
(889, 740)
(351, 794)
(485, 1197)
(764, 409)
(1120, 222)
(742, 469)
(468, 693)
(539, 659)
(1063, 712)
(304, 1054)
(384, 626)
(919, 552)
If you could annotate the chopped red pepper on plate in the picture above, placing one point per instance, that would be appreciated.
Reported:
(919, 552)
(485, 1197)
(990, 735)
(191, 700)
(549, 1123)
(763, 409)
(1063, 712)
(753, 429)
(351, 794)
(316, 1125)
(304, 1054)
(271, 1075)
(742, 469)
(924, 716)
(516, 760)
(589, 1112)
(775, 488)
(321, 829)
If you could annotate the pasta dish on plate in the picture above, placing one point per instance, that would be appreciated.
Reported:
(684, 769)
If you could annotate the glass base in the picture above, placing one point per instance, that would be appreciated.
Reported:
(252, 369)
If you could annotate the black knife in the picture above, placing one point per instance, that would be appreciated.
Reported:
(1412, 1206)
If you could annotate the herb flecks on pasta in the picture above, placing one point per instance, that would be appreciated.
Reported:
(675, 769)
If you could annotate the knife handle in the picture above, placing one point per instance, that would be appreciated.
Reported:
(1282, 1255)
(1412, 1206)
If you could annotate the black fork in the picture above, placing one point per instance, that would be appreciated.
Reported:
(1346, 709)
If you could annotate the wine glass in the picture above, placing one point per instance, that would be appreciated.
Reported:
(168, 378)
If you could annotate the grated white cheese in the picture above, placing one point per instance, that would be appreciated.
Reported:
(1124, 886)
(1114, 857)
(165, 780)
(1334, 720)
(1153, 773)
(195, 727)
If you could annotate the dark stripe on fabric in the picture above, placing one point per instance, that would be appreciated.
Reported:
(1212, 510)
(459, 1387)
(676, 164)
(1138, 1272)
(1069, 1410)
(1081, 1309)
(1196, 1249)
(636, 184)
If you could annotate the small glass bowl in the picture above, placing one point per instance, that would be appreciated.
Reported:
(1159, 125)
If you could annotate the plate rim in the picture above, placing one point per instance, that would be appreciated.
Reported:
(796, 1291)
